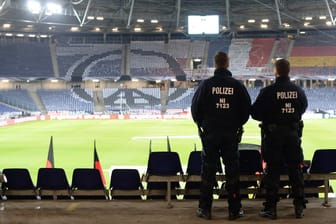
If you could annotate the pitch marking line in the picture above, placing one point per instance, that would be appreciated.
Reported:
(181, 137)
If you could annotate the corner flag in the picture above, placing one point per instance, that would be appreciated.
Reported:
(96, 164)
(50, 160)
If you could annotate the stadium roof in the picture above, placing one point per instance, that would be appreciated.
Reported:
(166, 16)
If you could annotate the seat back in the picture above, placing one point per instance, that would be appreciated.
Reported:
(125, 179)
(86, 179)
(18, 179)
(18, 185)
(164, 163)
(52, 179)
(195, 163)
(323, 161)
(126, 184)
(250, 161)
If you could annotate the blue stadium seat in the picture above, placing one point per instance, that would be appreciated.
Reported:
(87, 184)
(162, 164)
(194, 167)
(126, 184)
(52, 183)
(19, 184)
(323, 162)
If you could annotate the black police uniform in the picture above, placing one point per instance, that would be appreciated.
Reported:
(220, 107)
(280, 107)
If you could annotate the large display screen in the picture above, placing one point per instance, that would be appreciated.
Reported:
(203, 24)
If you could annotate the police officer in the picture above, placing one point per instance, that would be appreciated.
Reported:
(280, 107)
(220, 107)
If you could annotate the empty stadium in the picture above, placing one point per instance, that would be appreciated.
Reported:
(119, 76)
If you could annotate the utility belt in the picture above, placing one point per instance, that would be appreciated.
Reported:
(269, 128)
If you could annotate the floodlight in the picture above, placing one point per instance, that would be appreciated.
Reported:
(34, 7)
(74, 28)
(329, 23)
(53, 8)
(6, 25)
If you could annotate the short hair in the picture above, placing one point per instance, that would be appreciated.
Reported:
(221, 60)
(282, 67)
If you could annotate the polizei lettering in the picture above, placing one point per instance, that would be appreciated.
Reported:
(287, 95)
(222, 91)
(219, 90)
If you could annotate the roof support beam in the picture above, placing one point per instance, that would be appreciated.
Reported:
(76, 14)
(85, 13)
(3, 7)
(330, 13)
(278, 12)
(130, 14)
(227, 7)
(178, 8)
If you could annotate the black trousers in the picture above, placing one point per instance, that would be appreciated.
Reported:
(223, 145)
(282, 147)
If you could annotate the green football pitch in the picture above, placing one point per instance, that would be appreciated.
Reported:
(123, 142)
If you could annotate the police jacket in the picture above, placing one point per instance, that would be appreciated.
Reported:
(281, 103)
(221, 103)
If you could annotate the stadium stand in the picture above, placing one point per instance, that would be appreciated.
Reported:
(82, 59)
(31, 59)
(281, 48)
(313, 56)
(215, 46)
(180, 98)
(198, 48)
(19, 98)
(7, 109)
(65, 100)
(179, 49)
(260, 52)
(321, 99)
(239, 51)
(131, 99)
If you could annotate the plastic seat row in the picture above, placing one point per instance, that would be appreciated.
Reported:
(52, 183)
(164, 178)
